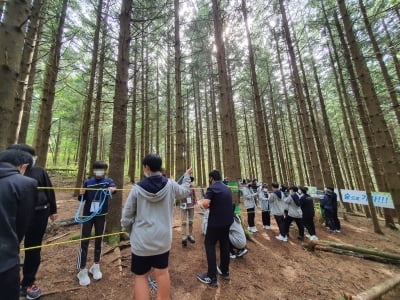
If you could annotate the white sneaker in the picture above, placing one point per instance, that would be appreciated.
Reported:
(281, 238)
(252, 229)
(83, 277)
(267, 227)
(313, 238)
(95, 271)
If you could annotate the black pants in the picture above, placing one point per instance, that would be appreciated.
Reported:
(9, 284)
(286, 225)
(99, 224)
(308, 223)
(336, 221)
(266, 218)
(33, 237)
(214, 235)
(279, 221)
(329, 217)
(251, 213)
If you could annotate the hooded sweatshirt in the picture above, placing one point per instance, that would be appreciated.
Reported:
(276, 203)
(17, 198)
(148, 213)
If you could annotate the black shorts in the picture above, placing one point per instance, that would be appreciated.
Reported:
(142, 264)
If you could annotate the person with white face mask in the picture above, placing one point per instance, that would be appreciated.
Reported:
(96, 195)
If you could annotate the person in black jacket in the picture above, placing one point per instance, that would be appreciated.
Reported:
(307, 207)
(18, 194)
(45, 208)
(218, 199)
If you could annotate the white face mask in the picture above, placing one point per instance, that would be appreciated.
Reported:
(146, 174)
(98, 172)
(34, 159)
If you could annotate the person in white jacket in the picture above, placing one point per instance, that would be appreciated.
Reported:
(294, 213)
(148, 217)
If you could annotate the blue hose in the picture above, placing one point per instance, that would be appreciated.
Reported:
(105, 193)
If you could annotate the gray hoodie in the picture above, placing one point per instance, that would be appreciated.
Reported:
(148, 214)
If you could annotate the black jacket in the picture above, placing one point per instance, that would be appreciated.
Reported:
(46, 197)
(307, 206)
(17, 198)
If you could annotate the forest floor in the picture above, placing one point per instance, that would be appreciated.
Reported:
(271, 270)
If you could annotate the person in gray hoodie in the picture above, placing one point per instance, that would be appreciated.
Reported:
(148, 217)
(294, 213)
(277, 206)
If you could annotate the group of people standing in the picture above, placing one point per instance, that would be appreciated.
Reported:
(284, 204)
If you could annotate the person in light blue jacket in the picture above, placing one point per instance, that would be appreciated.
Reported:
(250, 205)
(264, 203)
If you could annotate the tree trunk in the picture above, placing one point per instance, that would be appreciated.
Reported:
(180, 129)
(43, 123)
(260, 128)
(133, 147)
(311, 163)
(95, 153)
(230, 152)
(23, 130)
(214, 119)
(23, 78)
(87, 113)
(11, 44)
(119, 123)
(379, 58)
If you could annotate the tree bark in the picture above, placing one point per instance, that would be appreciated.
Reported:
(87, 113)
(24, 72)
(230, 148)
(119, 123)
(12, 33)
(180, 154)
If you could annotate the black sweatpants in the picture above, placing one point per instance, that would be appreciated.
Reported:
(99, 223)
(266, 218)
(214, 235)
(33, 237)
(279, 221)
(308, 223)
(251, 213)
(9, 283)
(286, 225)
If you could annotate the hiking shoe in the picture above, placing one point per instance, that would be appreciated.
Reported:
(313, 238)
(337, 231)
(204, 278)
(33, 292)
(83, 277)
(242, 252)
(191, 239)
(224, 276)
(184, 243)
(281, 238)
(95, 271)
(267, 227)
(300, 238)
(232, 255)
